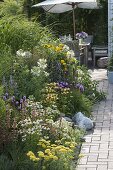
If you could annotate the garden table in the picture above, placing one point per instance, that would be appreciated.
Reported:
(86, 46)
(80, 50)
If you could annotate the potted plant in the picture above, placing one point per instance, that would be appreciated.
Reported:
(110, 70)
(80, 36)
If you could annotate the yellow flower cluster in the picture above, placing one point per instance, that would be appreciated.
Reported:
(32, 156)
(72, 145)
(57, 48)
(64, 64)
(51, 92)
(65, 90)
(43, 142)
(52, 151)
(52, 84)
(51, 96)
(50, 87)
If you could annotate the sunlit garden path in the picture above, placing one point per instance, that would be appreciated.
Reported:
(98, 148)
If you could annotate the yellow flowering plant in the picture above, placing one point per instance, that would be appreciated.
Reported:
(53, 92)
(53, 155)
(62, 63)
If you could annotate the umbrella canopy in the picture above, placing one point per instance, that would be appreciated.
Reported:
(60, 6)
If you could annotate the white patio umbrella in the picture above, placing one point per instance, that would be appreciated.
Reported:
(60, 6)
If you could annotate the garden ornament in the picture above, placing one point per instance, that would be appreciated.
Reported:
(82, 121)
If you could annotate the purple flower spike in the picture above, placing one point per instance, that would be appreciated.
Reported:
(24, 98)
(19, 107)
(81, 88)
(63, 84)
(77, 85)
(17, 103)
(21, 100)
(13, 98)
(6, 95)
(4, 98)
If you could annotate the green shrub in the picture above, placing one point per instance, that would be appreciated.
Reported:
(18, 33)
(10, 8)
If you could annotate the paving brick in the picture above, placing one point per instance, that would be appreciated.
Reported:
(99, 124)
(91, 168)
(110, 165)
(105, 138)
(110, 153)
(81, 168)
(103, 155)
(92, 158)
(104, 146)
(87, 166)
(110, 144)
(97, 163)
(84, 150)
(88, 139)
(102, 167)
(106, 122)
(96, 138)
(94, 148)
(105, 160)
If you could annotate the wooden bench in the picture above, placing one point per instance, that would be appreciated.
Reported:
(99, 51)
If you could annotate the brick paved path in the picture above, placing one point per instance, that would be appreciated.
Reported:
(98, 148)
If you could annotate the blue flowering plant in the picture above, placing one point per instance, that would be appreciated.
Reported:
(81, 35)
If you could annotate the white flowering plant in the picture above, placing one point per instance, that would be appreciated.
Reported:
(37, 124)
(22, 53)
(64, 131)
(40, 69)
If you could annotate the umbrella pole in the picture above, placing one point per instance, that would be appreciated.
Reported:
(74, 33)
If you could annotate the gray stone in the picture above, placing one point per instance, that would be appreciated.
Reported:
(82, 121)
(102, 62)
